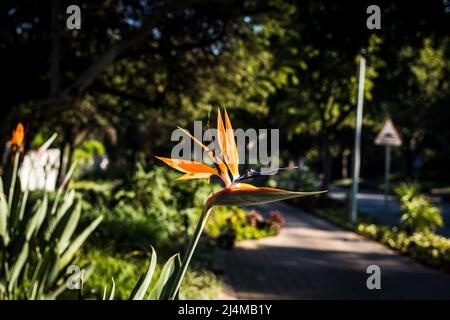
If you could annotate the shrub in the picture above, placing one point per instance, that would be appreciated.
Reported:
(429, 248)
(254, 218)
(275, 220)
(418, 215)
(296, 180)
(234, 224)
(150, 207)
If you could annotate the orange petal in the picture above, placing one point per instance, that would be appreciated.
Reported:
(199, 175)
(223, 172)
(20, 133)
(221, 137)
(231, 148)
(17, 135)
(187, 166)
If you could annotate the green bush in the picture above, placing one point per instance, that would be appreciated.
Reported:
(418, 215)
(151, 207)
(427, 247)
(234, 224)
(88, 150)
(295, 180)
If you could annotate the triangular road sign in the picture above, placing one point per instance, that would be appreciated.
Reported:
(388, 136)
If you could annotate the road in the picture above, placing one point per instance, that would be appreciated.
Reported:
(312, 259)
(373, 203)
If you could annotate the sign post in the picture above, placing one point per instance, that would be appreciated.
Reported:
(387, 171)
(357, 147)
(388, 137)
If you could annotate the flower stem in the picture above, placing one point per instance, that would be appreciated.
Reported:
(190, 250)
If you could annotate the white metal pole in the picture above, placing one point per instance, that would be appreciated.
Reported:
(357, 146)
(387, 169)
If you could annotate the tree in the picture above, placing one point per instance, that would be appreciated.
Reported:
(323, 53)
(132, 62)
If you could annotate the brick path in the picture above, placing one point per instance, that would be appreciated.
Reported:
(312, 259)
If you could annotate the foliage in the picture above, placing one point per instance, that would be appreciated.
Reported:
(150, 207)
(275, 221)
(418, 214)
(132, 210)
(278, 63)
(429, 248)
(88, 149)
(142, 66)
(38, 242)
(295, 180)
(125, 267)
(148, 200)
(200, 285)
(234, 224)
(95, 193)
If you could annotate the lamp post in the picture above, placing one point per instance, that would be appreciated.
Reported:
(357, 146)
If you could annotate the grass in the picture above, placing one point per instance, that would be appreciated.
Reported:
(126, 268)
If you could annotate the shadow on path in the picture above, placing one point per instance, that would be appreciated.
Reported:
(312, 259)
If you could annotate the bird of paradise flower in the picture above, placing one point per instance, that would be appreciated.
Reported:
(17, 137)
(16, 144)
(234, 192)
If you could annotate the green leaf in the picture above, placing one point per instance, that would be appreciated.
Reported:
(86, 272)
(113, 290)
(67, 203)
(13, 187)
(18, 265)
(40, 276)
(4, 234)
(37, 219)
(166, 279)
(61, 188)
(47, 143)
(70, 252)
(69, 228)
(23, 204)
(42, 212)
(142, 285)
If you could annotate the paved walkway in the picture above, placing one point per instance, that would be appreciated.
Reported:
(312, 259)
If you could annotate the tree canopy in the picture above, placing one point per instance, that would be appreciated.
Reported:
(137, 68)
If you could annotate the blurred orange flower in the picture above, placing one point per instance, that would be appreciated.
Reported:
(17, 137)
